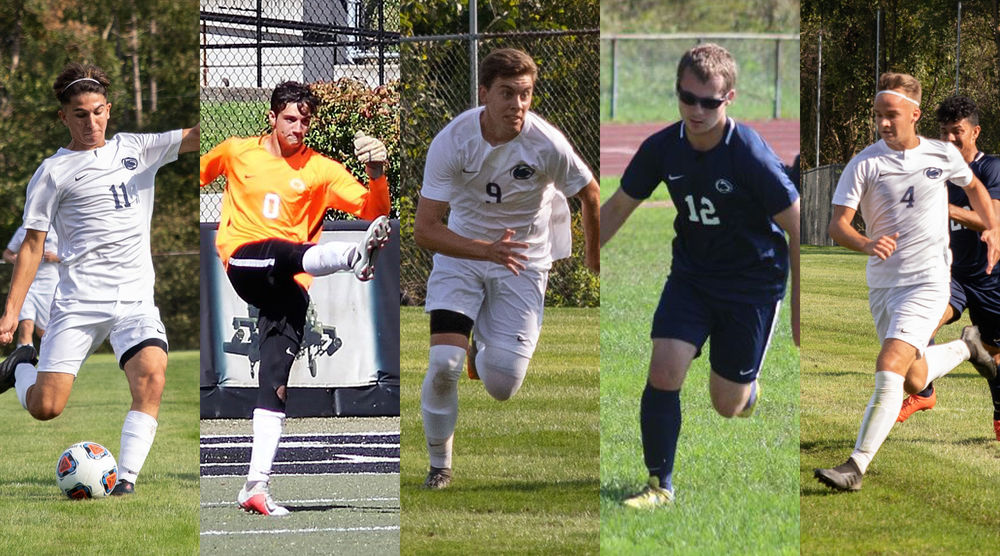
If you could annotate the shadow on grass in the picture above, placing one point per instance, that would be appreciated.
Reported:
(354, 508)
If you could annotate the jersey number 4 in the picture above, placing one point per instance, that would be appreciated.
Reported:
(706, 215)
(908, 197)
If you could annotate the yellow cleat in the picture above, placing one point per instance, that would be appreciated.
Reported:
(651, 497)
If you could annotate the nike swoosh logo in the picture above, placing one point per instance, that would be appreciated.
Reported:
(672, 177)
(464, 171)
(80, 177)
(521, 339)
(745, 373)
(289, 352)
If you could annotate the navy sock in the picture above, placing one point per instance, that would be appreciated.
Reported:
(995, 392)
(660, 420)
(926, 392)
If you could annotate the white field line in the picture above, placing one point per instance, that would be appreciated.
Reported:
(346, 458)
(307, 530)
(378, 433)
(312, 475)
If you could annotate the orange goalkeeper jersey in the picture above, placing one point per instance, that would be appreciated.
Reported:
(268, 196)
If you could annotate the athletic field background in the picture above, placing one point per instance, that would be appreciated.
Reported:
(934, 486)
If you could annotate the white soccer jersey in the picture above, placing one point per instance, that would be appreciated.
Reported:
(491, 189)
(905, 192)
(48, 273)
(100, 203)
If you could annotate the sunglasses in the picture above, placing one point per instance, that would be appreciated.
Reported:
(708, 103)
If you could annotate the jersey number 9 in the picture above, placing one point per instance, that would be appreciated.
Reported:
(493, 190)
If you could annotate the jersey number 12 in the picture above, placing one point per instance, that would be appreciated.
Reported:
(706, 215)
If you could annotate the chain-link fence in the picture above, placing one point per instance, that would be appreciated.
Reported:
(249, 46)
(436, 88)
(638, 73)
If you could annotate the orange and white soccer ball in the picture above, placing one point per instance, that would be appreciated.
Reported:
(86, 470)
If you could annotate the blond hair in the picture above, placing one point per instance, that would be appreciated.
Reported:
(890, 81)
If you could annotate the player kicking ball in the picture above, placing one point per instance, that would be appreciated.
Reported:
(899, 185)
(730, 257)
(97, 195)
(277, 194)
(499, 168)
(971, 287)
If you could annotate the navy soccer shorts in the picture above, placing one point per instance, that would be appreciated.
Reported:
(740, 332)
(983, 305)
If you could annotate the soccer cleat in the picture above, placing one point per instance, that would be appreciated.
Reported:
(375, 239)
(846, 476)
(652, 496)
(438, 478)
(23, 354)
(123, 487)
(258, 501)
(748, 411)
(980, 358)
(470, 359)
(916, 403)
(996, 429)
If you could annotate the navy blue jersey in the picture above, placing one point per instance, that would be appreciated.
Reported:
(968, 252)
(725, 238)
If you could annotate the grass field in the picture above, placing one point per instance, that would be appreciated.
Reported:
(526, 470)
(734, 479)
(161, 518)
(933, 486)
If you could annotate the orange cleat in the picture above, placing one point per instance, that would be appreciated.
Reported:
(916, 403)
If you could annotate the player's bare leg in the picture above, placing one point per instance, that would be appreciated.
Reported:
(47, 397)
(926, 398)
(25, 330)
(660, 419)
(146, 374)
(731, 399)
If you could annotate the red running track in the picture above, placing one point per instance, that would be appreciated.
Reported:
(620, 141)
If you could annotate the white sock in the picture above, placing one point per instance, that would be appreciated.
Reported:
(25, 376)
(138, 432)
(329, 257)
(942, 358)
(439, 401)
(880, 416)
(267, 427)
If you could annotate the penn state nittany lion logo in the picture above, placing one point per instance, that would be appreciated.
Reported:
(933, 173)
(522, 172)
(130, 163)
(724, 186)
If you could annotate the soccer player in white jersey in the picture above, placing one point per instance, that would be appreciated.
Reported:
(97, 194)
(499, 169)
(34, 316)
(899, 184)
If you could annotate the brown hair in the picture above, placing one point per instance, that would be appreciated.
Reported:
(69, 83)
(706, 61)
(506, 62)
(889, 81)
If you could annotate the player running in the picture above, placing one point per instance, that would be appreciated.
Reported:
(277, 194)
(899, 185)
(730, 257)
(501, 169)
(971, 287)
(97, 195)
(34, 316)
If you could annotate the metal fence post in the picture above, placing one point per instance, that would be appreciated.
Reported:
(614, 76)
(473, 53)
(777, 78)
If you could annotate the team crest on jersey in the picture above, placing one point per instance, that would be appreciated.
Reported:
(933, 173)
(522, 172)
(297, 185)
(130, 163)
(724, 186)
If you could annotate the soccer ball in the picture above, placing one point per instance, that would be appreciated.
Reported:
(86, 470)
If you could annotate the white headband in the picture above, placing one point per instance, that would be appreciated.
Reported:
(900, 95)
(71, 83)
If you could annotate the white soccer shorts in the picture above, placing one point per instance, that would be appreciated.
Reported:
(36, 307)
(507, 309)
(77, 328)
(908, 313)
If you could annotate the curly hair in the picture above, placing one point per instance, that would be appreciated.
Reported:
(957, 108)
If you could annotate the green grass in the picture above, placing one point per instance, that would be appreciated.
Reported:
(161, 518)
(222, 120)
(734, 479)
(933, 486)
(526, 469)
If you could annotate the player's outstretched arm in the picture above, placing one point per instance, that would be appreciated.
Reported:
(25, 267)
(845, 235)
(788, 219)
(590, 206)
(980, 201)
(430, 232)
(614, 212)
(968, 218)
(190, 139)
